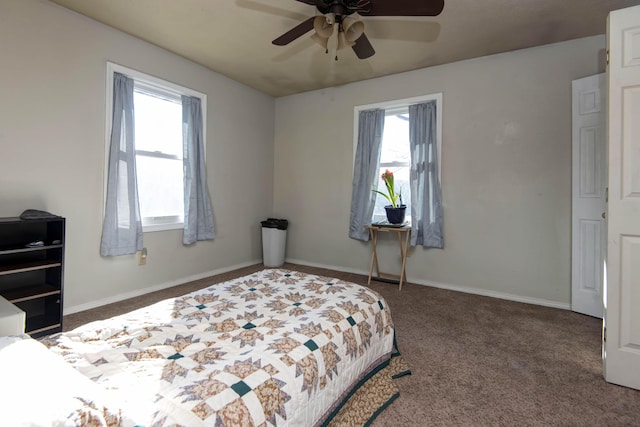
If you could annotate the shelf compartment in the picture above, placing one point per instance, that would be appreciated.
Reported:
(42, 313)
(45, 330)
(28, 266)
(30, 292)
(23, 249)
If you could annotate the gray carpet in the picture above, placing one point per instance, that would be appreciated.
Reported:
(475, 360)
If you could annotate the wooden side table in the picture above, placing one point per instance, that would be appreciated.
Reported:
(404, 246)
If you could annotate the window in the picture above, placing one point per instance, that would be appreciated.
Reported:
(158, 137)
(395, 153)
(394, 156)
(159, 147)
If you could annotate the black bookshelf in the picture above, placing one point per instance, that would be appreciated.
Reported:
(32, 270)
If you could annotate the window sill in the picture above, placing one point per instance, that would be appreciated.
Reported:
(151, 228)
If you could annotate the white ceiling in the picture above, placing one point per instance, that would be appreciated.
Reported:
(233, 37)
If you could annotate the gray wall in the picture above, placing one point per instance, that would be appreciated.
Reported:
(506, 171)
(52, 149)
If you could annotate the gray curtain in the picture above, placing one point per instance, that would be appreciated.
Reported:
(198, 217)
(122, 227)
(426, 203)
(365, 171)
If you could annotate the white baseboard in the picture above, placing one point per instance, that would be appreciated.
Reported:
(159, 287)
(165, 285)
(465, 289)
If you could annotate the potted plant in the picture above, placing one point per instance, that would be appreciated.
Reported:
(395, 211)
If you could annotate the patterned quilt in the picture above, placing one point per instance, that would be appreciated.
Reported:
(274, 348)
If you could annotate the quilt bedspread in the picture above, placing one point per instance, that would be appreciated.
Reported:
(276, 347)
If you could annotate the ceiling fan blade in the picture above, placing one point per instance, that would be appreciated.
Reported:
(363, 48)
(320, 4)
(402, 8)
(297, 31)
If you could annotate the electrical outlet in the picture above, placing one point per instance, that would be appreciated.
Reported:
(142, 256)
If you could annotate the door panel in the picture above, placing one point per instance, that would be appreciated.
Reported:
(622, 313)
(589, 166)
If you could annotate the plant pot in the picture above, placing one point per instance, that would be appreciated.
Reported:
(395, 215)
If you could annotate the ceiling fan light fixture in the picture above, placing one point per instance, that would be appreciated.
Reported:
(343, 42)
(323, 26)
(353, 28)
(322, 41)
(331, 18)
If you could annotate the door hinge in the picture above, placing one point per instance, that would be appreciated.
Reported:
(607, 56)
(606, 195)
(604, 334)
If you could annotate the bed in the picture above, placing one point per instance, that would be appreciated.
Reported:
(273, 348)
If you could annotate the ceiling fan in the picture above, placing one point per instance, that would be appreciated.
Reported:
(339, 13)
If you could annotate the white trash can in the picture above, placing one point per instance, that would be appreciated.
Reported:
(274, 239)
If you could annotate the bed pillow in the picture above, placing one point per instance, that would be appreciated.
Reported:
(40, 388)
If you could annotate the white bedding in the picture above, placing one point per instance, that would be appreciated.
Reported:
(273, 348)
(38, 388)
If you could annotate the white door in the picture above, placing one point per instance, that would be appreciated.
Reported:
(588, 204)
(622, 304)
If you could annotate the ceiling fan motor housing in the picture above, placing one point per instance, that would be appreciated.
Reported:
(340, 8)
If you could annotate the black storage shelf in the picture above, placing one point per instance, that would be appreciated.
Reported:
(32, 277)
